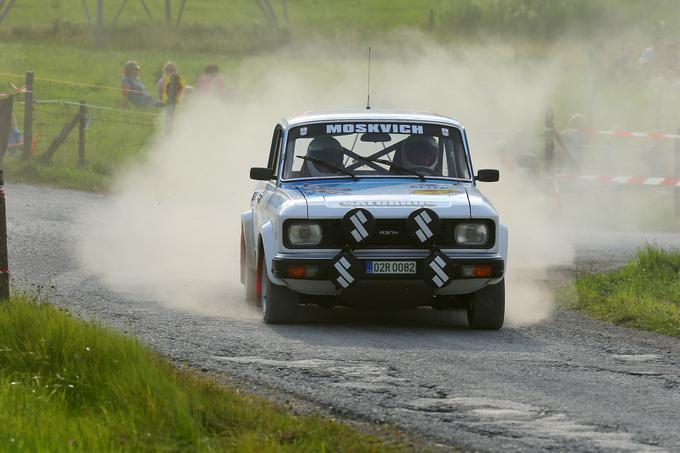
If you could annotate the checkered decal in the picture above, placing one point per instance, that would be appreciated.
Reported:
(436, 270)
(358, 225)
(423, 224)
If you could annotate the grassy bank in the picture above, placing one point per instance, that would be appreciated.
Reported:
(70, 385)
(644, 294)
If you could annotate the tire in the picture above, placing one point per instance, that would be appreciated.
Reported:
(279, 303)
(486, 309)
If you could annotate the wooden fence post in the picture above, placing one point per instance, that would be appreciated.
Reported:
(658, 105)
(676, 173)
(549, 140)
(4, 260)
(6, 106)
(81, 133)
(59, 139)
(28, 116)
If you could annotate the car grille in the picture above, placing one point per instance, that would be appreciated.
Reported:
(389, 233)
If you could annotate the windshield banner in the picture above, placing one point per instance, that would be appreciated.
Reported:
(346, 128)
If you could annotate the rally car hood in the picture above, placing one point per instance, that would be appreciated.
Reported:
(385, 198)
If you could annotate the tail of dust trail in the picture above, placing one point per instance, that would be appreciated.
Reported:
(171, 229)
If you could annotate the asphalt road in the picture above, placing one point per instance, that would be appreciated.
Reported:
(564, 384)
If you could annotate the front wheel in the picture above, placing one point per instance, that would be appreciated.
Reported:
(279, 303)
(486, 309)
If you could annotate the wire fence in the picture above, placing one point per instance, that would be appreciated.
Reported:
(622, 165)
(91, 129)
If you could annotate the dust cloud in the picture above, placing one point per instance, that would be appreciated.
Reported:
(171, 229)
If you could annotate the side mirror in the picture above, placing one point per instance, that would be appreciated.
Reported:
(488, 175)
(261, 174)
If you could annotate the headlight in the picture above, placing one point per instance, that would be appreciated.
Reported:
(471, 233)
(304, 234)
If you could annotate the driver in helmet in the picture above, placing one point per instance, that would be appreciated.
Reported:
(326, 149)
(420, 153)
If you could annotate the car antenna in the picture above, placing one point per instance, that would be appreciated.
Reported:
(368, 91)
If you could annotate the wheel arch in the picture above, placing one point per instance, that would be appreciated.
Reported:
(267, 249)
(249, 240)
(502, 250)
(503, 243)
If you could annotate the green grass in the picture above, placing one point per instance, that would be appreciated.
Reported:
(644, 294)
(69, 385)
(113, 136)
(243, 23)
(53, 38)
(235, 27)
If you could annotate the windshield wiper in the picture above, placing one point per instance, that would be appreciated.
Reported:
(331, 166)
(396, 167)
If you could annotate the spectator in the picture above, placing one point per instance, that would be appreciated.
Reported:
(661, 59)
(132, 89)
(211, 82)
(16, 138)
(647, 55)
(170, 69)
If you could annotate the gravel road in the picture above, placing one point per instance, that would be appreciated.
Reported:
(565, 384)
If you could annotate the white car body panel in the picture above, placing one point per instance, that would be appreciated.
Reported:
(384, 197)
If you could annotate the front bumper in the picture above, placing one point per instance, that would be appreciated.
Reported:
(281, 268)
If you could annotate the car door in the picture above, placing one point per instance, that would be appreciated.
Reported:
(261, 202)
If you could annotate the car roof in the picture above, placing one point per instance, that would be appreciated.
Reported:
(368, 115)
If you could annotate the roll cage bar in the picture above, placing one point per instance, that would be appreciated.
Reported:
(367, 160)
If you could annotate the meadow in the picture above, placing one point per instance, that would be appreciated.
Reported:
(71, 74)
(55, 40)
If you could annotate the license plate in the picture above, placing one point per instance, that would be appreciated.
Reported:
(390, 267)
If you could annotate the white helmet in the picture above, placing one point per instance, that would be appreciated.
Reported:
(324, 148)
(419, 151)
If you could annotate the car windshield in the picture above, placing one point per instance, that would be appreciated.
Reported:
(357, 149)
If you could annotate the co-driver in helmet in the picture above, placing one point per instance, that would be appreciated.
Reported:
(326, 149)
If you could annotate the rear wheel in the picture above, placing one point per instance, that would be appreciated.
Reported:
(486, 309)
(279, 303)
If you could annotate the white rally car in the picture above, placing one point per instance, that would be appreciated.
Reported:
(373, 208)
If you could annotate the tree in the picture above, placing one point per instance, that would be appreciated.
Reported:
(4, 9)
